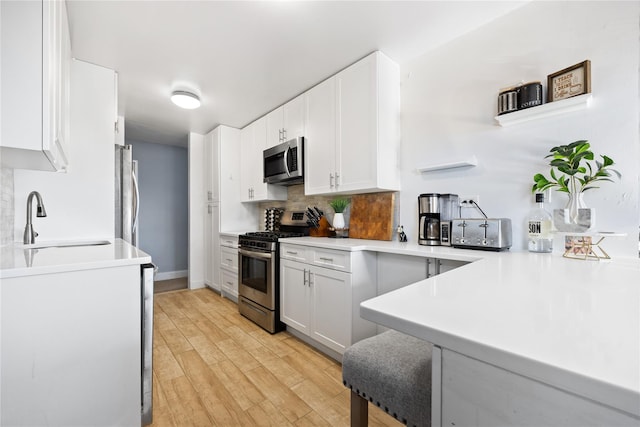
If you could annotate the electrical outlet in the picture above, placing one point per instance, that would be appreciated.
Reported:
(467, 201)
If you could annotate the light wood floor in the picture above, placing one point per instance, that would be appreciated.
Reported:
(213, 367)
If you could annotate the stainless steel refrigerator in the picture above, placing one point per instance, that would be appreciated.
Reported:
(127, 195)
(126, 227)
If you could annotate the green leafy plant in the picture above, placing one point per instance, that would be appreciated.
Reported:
(339, 205)
(572, 169)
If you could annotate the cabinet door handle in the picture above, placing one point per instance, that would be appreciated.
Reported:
(292, 253)
(310, 281)
(284, 135)
(330, 180)
(337, 179)
(229, 260)
(326, 259)
(304, 275)
(210, 195)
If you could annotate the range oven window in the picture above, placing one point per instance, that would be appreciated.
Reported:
(255, 273)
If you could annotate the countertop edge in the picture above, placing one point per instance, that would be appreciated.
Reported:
(117, 254)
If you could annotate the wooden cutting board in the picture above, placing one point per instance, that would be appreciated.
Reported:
(372, 216)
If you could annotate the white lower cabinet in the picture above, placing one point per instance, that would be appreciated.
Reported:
(211, 259)
(331, 307)
(396, 271)
(473, 392)
(229, 284)
(228, 262)
(71, 348)
(295, 295)
(323, 302)
(321, 289)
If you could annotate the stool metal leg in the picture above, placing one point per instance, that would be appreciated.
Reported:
(359, 410)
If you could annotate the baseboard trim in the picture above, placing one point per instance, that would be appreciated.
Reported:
(168, 275)
(313, 343)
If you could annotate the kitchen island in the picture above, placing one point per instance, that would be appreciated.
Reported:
(520, 338)
(71, 335)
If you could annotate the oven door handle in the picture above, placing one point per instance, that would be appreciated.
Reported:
(255, 254)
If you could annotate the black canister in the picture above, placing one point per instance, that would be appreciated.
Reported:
(529, 95)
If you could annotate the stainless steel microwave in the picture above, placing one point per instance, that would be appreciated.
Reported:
(284, 163)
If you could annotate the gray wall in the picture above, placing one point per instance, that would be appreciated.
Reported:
(164, 190)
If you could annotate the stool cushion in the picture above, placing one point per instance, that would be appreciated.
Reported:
(392, 370)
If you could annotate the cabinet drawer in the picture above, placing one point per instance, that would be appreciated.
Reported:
(229, 258)
(337, 260)
(229, 282)
(293, 252)
(229, 240)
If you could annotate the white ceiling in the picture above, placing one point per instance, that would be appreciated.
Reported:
(245, 58)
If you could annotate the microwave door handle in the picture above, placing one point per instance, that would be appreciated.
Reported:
(286, 161)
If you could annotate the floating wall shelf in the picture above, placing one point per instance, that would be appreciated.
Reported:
(471, 161)
(568, 105)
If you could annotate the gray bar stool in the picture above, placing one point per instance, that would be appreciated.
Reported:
(391, 370)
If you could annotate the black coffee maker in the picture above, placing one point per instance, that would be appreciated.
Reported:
(429, 219)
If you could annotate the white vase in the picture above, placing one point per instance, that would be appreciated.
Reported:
(338, 221)
(575, 217)
(574, 204)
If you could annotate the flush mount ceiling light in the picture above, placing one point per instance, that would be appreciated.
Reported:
(185, 99)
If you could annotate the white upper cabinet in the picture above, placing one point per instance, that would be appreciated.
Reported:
(253, 142)
(320, 139)
(286, 122)
(35, 75)
(223, 178)
(353, 129)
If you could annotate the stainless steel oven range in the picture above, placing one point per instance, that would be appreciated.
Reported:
(258, 277)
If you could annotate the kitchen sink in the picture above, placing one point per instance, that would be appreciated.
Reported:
(64, 244)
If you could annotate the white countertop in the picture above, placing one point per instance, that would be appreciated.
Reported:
(16, 261)
(392, 247)
(569, 323)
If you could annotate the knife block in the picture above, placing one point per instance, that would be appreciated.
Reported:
(322, 230)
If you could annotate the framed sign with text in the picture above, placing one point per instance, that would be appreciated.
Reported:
(572, 81)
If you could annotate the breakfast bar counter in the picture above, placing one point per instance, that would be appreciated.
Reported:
(510, 328)
(536, 323)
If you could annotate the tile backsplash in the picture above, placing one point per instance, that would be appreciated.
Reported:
(298, 201)
(6, 207)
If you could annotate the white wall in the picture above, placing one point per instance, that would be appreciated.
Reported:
(449, 101)
(196, 211)
(79, 203)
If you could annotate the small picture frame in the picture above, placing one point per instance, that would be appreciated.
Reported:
(572, 81)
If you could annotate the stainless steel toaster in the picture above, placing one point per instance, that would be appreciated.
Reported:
(480, 233)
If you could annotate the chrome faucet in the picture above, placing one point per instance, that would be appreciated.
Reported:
(29, 234)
